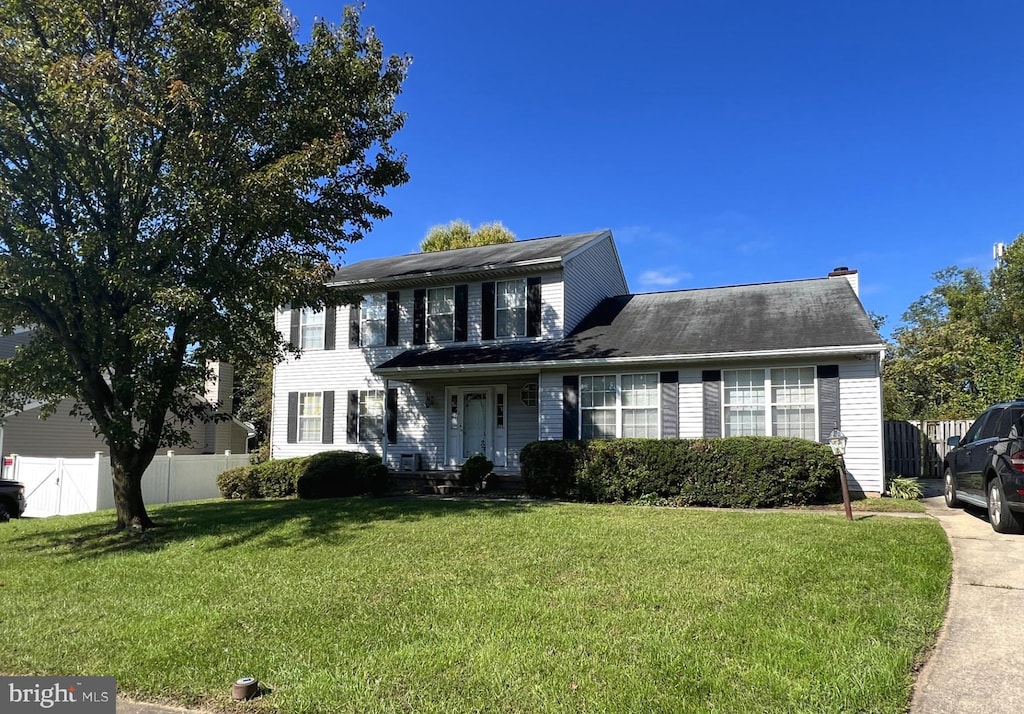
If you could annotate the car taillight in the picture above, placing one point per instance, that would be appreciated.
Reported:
(1017, 461)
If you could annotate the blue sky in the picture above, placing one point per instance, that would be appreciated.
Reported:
(722, 142)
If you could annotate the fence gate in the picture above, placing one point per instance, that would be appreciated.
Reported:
(57, 487)
(917, 448)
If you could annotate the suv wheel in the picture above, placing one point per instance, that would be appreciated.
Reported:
(4, 515)
(949, 490)
(1003, 520)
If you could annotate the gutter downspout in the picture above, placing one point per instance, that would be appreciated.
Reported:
(384, 431)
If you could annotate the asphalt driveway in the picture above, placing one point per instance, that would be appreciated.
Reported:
(979, 656)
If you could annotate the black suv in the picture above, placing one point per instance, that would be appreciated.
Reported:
(986, 467)
(12, 500)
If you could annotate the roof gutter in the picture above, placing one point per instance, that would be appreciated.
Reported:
(849, 351)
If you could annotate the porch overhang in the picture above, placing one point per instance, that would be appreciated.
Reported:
(512, 358)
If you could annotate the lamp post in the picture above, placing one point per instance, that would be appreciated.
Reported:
(837, 442)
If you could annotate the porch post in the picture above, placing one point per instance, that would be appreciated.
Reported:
(384, 431)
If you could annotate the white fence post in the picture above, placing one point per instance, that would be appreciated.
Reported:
(170, 472)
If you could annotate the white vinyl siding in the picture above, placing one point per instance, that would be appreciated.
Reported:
(691, 404)
(590, 276)
(861, 420)
(550, 396)
(373, 320)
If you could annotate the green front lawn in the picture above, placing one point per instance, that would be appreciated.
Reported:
(443, 606)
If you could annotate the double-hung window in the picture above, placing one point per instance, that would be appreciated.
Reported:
(373, 320)
(640, 405)
(619, 405)
(770, 402)
(441, 314)
(371, 415)
(510, 308)
(311, 417)
(311, 328)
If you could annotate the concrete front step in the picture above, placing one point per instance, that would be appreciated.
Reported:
(447, 482)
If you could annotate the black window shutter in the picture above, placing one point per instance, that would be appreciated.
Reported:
(352, 423)
(354, 315)
(533, 307)
(327, 428)
(293, 416)
(392, 323)
(419, 317)
(571, 407)
(487, 311)
(330, 326)
(712, 379)
(391, 415)
(669, 405)
(828, 399)
(294, 336)
(461, 312)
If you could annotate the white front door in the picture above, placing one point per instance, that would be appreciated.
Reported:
(475, 424)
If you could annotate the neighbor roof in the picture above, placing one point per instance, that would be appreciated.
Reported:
(465, 260)
(745, 320)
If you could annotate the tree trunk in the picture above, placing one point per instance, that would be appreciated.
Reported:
(127, 475)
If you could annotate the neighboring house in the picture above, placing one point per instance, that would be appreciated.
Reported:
(26, 434)
(483, 350)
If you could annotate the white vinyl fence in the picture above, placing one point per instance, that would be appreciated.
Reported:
(61, 487)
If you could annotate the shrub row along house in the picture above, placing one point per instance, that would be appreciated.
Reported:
(483, 350)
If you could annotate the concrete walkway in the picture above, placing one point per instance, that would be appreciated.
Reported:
(979, 656)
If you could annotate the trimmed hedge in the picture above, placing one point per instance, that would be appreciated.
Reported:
(330, 474)
(739, 472)
(339, 474)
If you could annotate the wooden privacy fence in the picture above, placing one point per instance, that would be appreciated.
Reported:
(917, 448)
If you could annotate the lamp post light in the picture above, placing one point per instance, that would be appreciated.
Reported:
(837, 442)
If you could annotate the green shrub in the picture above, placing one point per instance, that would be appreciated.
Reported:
(474, 470)
(549, 468)
(269, 479)
(748, 472)
(905, 488)
(238, 483)
(339, 474)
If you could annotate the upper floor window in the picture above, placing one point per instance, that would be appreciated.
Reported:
(373, 320)
(311, 417)
(311, 328)
(619, 405)
(788, 393)
(441, 314)
(510, 308)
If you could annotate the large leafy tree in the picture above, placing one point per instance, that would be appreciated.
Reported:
(170, 172)
(960, 348)
(459, 234)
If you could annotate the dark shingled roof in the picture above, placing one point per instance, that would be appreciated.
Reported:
(802, 314)
(488, 257)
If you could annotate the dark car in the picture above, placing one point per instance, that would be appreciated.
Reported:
(12, 500)
(986, 467)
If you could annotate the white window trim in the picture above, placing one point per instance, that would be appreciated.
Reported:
(364, 321)
(299, 417)
(427, 315)
(305, 323)
(525, 308)
(363, 394)
(618, 408)
(768, 403)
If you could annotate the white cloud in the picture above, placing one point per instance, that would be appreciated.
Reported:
(662, 278)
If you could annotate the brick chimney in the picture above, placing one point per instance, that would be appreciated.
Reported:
(850, 275)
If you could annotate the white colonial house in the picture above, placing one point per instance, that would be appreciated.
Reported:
(483, 350)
